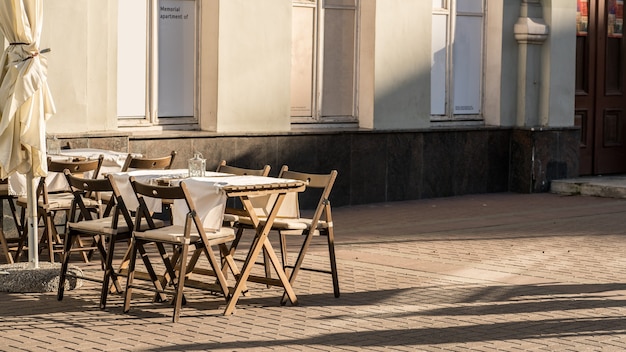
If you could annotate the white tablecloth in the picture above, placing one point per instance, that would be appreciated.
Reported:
(209, 200)
(206, 193)
(112, 162)
(144, 176)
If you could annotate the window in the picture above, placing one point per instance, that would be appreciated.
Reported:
(457, 54)
(156, 62)
(324, 46)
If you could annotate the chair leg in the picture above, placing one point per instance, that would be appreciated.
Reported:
(229, 263)
(333, 261)
(267, 265)
(159, 287)
(3, 241)
(170, 264)
(283, 249)
(215, 265)
(5, 248)
(131, 273)
(178, 300)
(296, 267)
(109, 273)
(137, 246)
(57, 235)
(18, 227)
(195, 256)
(233, 248)
(84, 254)
(65, 259)
(125, 258)
(23, 239)
(49, 232)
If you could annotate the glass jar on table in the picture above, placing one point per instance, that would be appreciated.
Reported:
(197, 165)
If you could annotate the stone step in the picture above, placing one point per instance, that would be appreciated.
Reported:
(598, 186)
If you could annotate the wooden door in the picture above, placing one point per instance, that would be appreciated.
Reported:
(601, 87)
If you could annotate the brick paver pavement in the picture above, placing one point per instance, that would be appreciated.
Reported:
(493, 272)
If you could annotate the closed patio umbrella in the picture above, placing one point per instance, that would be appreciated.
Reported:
(25, 102)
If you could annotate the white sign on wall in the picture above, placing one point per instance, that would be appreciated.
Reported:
(176, 57)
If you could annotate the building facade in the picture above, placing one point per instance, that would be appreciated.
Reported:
(407, 99)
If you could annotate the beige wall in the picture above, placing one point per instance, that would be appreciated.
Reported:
(492, 101)
(81, 65)
(402, 64)
(366, 64)
(244, 67)
(559, 64)
(208, 65)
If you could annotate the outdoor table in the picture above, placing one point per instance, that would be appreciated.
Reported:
(246, 188)
(113, 162)
(209, 194)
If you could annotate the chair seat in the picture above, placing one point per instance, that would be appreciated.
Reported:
(105, 197)
(286, 223)
(60, 201)
(103, 225)
(175, 234)
(231, 218)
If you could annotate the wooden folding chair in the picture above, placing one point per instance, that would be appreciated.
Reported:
(51, 203)
(320, 223)
(115, 224)
(145, 163)
(164, 162)
(235, 170)
(180, 237)
(10, 244)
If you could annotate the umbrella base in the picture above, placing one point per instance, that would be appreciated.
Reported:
(19, 277)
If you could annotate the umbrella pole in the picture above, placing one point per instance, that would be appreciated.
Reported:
(33, 231)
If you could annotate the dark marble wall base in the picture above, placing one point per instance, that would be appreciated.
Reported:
(109, 142)
(382, 166)
(539, 156)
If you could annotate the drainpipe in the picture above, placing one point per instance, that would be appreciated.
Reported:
(530, 32)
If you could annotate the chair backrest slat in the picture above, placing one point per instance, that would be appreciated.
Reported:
(76, 166)
(235, 170)
(322, 182)
(157, 191)
(83, 187)
(163, 163)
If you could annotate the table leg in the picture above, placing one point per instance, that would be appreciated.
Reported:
(277, 264)
(259, 244)
(243, 277)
